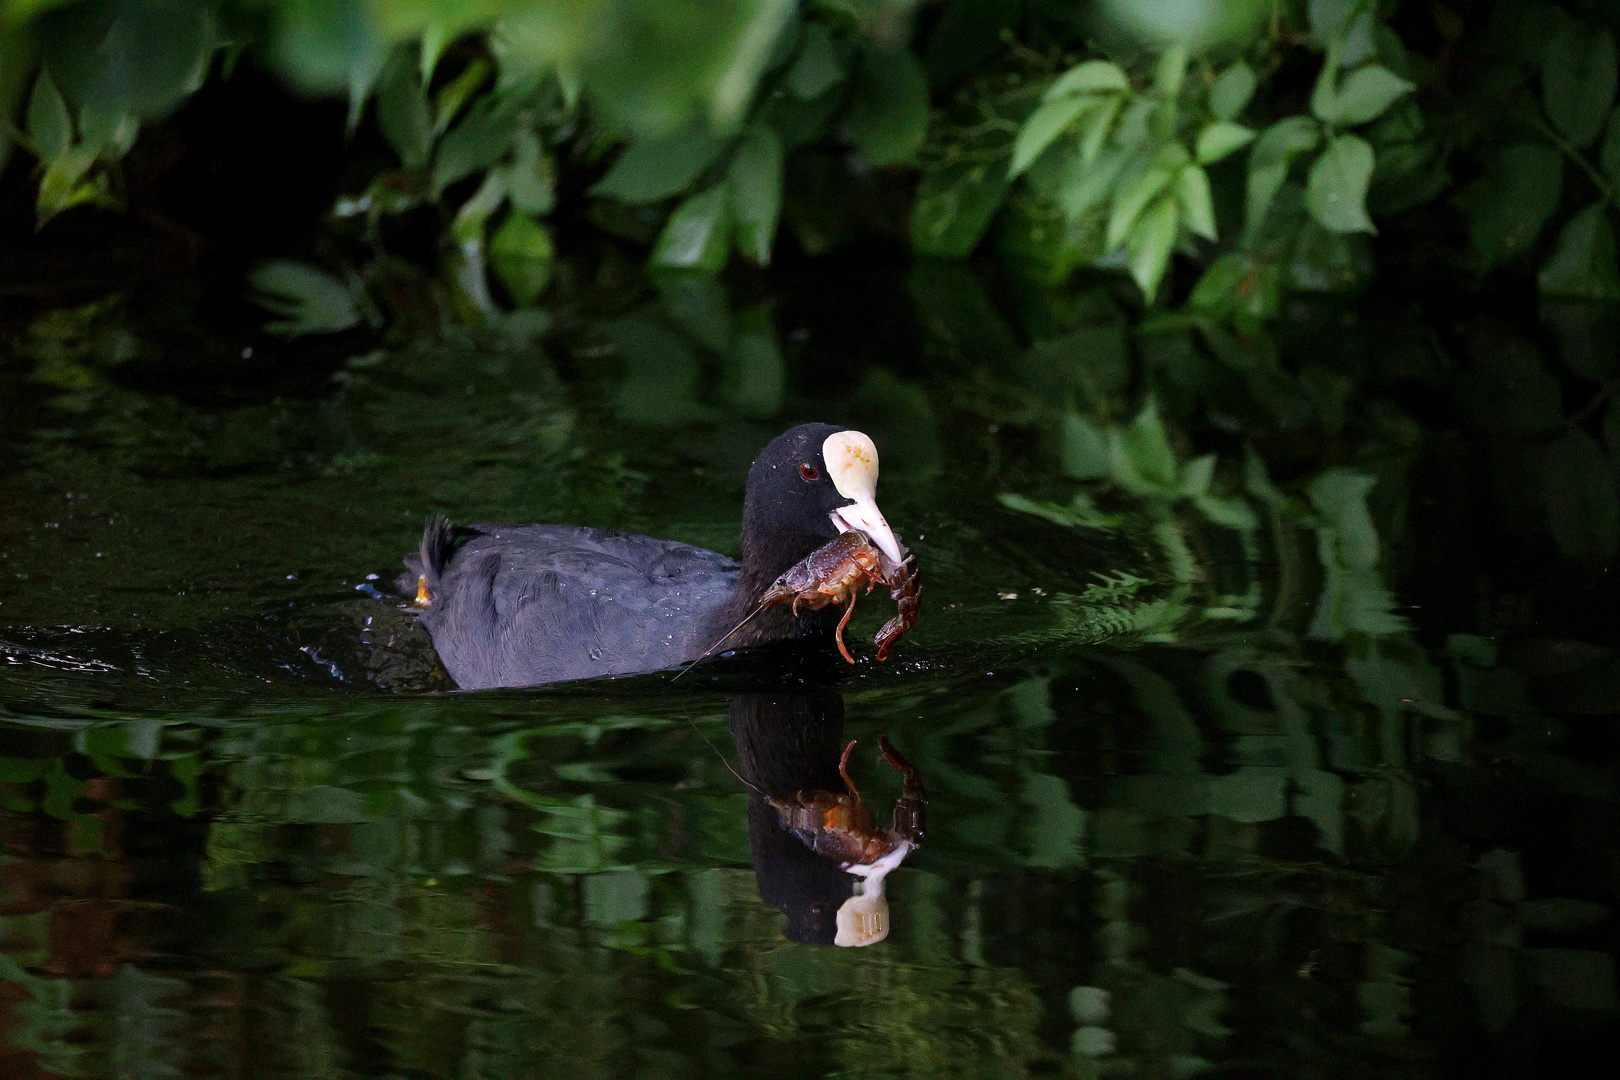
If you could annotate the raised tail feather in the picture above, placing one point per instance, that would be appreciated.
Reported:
(425, 568)
(438, 544)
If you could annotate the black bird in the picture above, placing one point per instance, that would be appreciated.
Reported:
(520, 605)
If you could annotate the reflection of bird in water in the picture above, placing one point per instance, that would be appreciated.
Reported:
(524, 605)
(818, 857)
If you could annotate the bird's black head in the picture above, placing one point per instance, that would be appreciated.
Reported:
(805, 488)
(788, 512)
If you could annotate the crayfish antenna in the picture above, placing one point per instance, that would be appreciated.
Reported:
(723, 639)
(747, 783)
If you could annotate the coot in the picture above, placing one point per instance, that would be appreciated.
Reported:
(520, 605)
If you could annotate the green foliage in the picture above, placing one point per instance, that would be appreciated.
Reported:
(309, 300)
(1223, 158)
(697, 111)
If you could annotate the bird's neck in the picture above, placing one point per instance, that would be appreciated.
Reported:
(768, 554)
(765, 557)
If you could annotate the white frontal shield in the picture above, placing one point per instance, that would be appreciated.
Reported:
(852, 464)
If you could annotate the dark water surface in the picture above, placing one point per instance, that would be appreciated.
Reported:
(1203, 798)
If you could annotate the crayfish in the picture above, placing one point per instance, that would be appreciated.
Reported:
(834, 574)
(842, 827)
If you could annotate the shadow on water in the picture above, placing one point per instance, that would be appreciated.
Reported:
(1201, 797)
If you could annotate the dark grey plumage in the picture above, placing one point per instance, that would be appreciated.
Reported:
(520, 605)
(529, 604)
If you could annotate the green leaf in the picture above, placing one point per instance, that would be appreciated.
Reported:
(1336, 192)
(1196, 475)
(479, 141)
(1134, 193)
(310, 300)
(1232, 90)
(1354, 596)
(653, 169)
(817, 69)
(521, 255)
(1221, 138)
(143, 56)
(888, 110)
(1324, 95)
(435, 36)
(454, 95)
(1081, 515)
(402, 112)
(1084, 448)
(1096, 129)
(1232, 513)
(954, 205)
(1220, 283)
(1197, 206)
(318, 43)
(474, 214)
(1365, 94)
(1511, 201)
(698, 234)
(1583, 264)
(1089, 77)
(50, 126)
(1344, 25)
(107, 129)
(1252, 794)
(1582, 508)
(1269, 162)
(531, 182)
(755, 180)
(1170, 71)
(1134, 129)
(1045, 124)
(756, 379)
(362, 81)
(1086, 185)
(1325, 261)
(1143, 460)
(1150, 245)
(700, 304)
(66, 185)
(1609, 156)
(1578, 80)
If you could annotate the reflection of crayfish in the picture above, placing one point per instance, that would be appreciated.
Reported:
(834, 574)
(841, 826)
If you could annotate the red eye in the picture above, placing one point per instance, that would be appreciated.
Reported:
(809, 471)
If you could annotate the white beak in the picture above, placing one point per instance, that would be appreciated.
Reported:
(852, 465)
(863, 514)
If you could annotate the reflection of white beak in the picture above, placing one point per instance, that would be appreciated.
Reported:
(852, 464)
(863, 919)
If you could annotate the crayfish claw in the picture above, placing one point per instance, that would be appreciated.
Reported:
(908, 810)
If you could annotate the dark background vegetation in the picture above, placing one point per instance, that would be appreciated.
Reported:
(1282, 338)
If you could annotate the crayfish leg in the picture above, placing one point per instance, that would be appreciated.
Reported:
(843, 770)
(908, 812)
(905, 768)
(839, 633)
